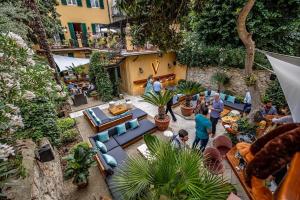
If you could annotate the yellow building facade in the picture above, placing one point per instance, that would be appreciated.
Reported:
(82, 18)
(135, 70)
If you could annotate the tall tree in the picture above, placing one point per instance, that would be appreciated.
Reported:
(39, 30)
(246, 38)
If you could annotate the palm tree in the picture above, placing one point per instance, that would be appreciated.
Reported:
(221, 79)
(37, 26)
(160, 100)
(172, 174)
(189, 88)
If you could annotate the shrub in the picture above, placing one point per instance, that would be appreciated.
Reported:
(69, 136)
(65, 123)
(229, 92)
(239, 99)
(84, 144)
(221, 79)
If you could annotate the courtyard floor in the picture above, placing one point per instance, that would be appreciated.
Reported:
(97, 184)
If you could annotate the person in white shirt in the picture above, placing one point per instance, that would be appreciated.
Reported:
(157, 86)
(247, 102)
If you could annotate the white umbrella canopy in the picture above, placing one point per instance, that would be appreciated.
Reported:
(287, 69)
(65, 63)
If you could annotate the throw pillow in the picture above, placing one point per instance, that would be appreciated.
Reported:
(90, 111)
(222, 96)
(230, 99)
(101, 146)
(121, 129)
(98, 121)
(206, 93)
(134, 124)
(110, 160)
(103, 136)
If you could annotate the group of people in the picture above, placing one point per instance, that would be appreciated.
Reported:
(74, 89)
(205, 125)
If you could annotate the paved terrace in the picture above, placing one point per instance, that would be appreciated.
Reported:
(97, 184)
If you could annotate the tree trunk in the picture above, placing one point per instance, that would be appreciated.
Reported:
(37, 26)
(246, 38)
(161, 112)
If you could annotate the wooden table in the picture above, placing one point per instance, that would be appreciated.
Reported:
(225, 112)
(118, 109)
(233, 161)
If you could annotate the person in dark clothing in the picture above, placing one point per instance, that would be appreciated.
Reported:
(169, 108)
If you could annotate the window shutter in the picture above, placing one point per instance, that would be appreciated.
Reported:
(94, 28)
(72, 31)
(84, 34)
(88, 3)
(79, 2)
(64, 2)
(101, 3)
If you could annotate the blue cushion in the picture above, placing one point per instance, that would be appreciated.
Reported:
(134, 124)
(206, 93)
(90, 111)
(231, 99)
(121, 129)
(110, 160)
(97, 120)
(222, 96)
(103, 136)
(101, 147)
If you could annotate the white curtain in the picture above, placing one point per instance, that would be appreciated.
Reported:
(287, 69)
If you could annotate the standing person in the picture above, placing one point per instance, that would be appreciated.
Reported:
(149, 85)
(157, 86)
(247, 102)
(203, 129)
(179, 141)
(201, 103)
(217, 108)
(208, 94)
(169, 108)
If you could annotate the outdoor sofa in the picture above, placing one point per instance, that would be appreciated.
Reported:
(115, 147)
(100, 121)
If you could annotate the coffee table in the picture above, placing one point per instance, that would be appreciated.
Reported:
(118, 109)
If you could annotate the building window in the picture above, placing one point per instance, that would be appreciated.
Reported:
(72, 2)
(95, 3)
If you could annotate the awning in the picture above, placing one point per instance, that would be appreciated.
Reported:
(287, 69)
(65, 62)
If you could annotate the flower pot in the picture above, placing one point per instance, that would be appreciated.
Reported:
(186, 111)
(162, 124)
(213, 160)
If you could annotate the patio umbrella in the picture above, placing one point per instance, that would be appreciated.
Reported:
(287, 69)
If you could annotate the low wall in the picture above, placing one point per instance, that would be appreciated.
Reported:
(237, 84)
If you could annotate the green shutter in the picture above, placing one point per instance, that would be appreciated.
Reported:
(64, 2)
(88, 3)
(84, 35)
(72, 31)
(79, 2)
(101, 3)
(94, 28)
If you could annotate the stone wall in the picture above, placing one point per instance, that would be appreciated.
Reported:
(237, 84)
(44, 181)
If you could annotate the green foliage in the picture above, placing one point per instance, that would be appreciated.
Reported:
(173, 174)
(78, 164)
(65, 123)
(39, 118)
(69, 136)
(154, 21)
(229, 92)
(245, 127)
(274, 92)
(239, 99)
(159, 100)
(100, 76)
(221, 79)
(189, 88)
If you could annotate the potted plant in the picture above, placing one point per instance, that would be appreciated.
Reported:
(78, 164)
(160, 100)
(94, 94)
(221, 79)
(188, 88)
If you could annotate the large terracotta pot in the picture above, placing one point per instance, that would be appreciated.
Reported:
(162, 124)
(223, 144)
(186, 111)
(213, 160)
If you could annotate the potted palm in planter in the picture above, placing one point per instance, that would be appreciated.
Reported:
(78, 164)
(188, 88)
(160, 100)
